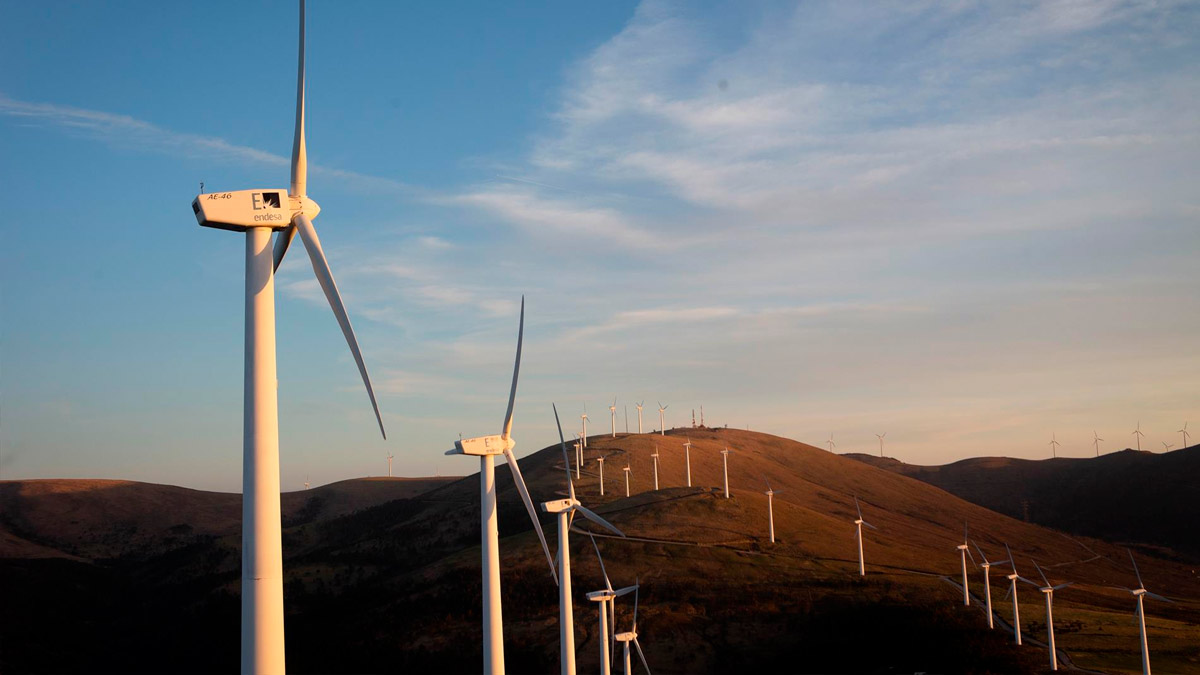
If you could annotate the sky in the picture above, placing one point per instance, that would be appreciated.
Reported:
(970, 225)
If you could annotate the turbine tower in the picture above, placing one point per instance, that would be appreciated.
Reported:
(578, 458)
(606, 605)
(662, 425)
(584, 419)
(626, 480)
(390, 456)
(987, 583)
(486, 448)
(687, 458)
(965, 551)
(601, 460)
(639, 407)
(1048, 591)
(613, 409)
(1138, 433)
(770, 509)
(1054, 445)
(725, 466)
(880, 437)
(1139, 613)
(306, 483)
(1185, 433)
(862, 568)
(258, 213)
(655, 458)
(1012, 590)
(1096, 441)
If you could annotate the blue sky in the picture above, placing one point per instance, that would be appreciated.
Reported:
(970, 225)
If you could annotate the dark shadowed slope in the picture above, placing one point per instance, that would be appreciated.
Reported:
(1125, 496)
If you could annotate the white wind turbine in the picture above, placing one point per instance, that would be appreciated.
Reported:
(584, 419)
(1054, 445)
(987, 582)
(1048, 591)
(632, 636)
(662, 425)
(1139, 613)
(626, 480)
(880, 437)
(862, 568)
(607, 610)
(613, 409)
(1012, 591)
(1167, 446)
(486, 448)
(639, 407)
(655, 458)
(965, 551)
(1185, 433)
(578, 458)
(1096, 441)
(565, 509)
(258, 213)
(306, 483)
(830, 442)
(601, 460)
(725, 466)
(687, 459)
(1138, 433)
(390, 456)
(770, 509)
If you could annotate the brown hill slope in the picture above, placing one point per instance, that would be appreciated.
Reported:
(1122, 496)
(396, 586)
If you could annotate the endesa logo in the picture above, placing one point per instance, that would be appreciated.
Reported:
(265, 200)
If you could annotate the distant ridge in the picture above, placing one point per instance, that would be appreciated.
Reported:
(1125, 496)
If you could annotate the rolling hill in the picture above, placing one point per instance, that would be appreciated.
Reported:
(395, 587)
(1126, 496)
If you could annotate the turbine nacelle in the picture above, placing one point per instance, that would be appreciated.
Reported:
(559, 505)
(483, 445)
(241, 210)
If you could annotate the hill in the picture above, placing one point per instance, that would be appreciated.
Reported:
(1126, 496)
(396, 586)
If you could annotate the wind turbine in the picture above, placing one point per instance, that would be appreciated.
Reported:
(306, 481)
(632, 636)
(655, 458)
(1048, 592)
(486, 448)
(584, 419)
(626, 480)
(770, 509)
(1096, 441)
(613, 409)
(390, 456)
(1054, 445)
(1140, 592)
(725, 466)
(662, 425)
(862, 568)
(578, 458)
(1185, 433)
(258, 213)
(687, 458)
(606, 599)
(639, 407)
(1012, 590)
(830, 442)
(880, 437)
(987, 582)
(965, 551)
(601, 460)
(1138, 433)
(565, 510)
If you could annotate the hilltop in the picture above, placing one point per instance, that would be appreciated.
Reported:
(396, 586)
(1127, 496)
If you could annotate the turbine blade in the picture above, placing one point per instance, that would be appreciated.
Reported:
(1039, 569)
(320, 265)
(625, 591)
(566, 462)
(1069, 583)
(282, 241)
(512, 393)
(592, 516)
(1011, 559)
(1009, 593)
(537, 524)
(641, 656)
(636, 592)
(971, 557)
(981, 555)
(607, 583)
(299, 154)
(1135, 569)
(857, 507)
(1156, 596)
(870, 525)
